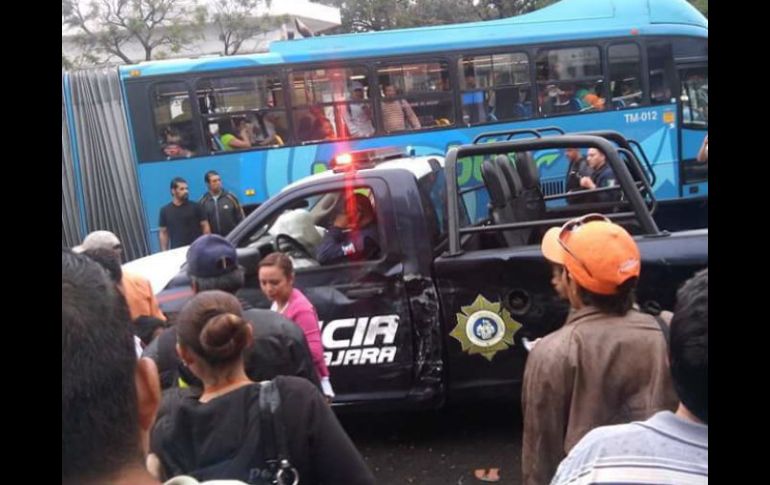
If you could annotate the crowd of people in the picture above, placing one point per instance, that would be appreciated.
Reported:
(232, 392)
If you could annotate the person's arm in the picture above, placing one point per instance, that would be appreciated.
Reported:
(330, 247)
(239, 214)
(163, 236)
(703, 153)
(308, 322)
(205, 227)
(413, 121)
(587, 183)
(546, 398)
(163, 231)
(233, 142)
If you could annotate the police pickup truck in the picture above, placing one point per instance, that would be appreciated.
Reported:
(441, 312)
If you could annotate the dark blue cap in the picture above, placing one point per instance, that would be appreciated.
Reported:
(211, 255)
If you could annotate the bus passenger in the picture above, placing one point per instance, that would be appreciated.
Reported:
(397, 112)
(358, 115)
(239, 136)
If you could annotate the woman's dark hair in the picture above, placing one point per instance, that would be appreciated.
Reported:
(280, 260)
(100, 420)
(211, 325)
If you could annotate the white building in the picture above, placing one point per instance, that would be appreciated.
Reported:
(315, 16)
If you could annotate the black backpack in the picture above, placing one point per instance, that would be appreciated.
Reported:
(263, 459)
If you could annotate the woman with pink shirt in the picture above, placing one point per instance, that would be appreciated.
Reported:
(276, 278)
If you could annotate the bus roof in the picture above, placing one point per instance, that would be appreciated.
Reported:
(567, 20)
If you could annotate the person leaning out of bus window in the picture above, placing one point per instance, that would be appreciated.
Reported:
(240, 136)
(396, 113)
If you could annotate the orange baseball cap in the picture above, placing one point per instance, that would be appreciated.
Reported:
(550, 246)
(599, 255)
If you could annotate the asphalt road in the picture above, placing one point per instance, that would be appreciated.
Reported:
(441, 446)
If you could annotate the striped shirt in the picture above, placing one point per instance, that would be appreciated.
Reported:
(665, 449)
(395, 115)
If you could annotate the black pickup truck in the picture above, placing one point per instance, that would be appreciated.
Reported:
(460, 280)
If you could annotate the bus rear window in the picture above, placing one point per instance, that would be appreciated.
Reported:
(174, 127)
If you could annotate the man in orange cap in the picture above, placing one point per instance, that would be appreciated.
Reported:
(607, 364)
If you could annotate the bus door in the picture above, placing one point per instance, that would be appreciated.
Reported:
(694, 97)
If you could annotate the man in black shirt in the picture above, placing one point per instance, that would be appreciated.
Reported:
(221, 208)
(181, 221)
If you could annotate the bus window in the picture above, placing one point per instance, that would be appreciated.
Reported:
(173, 120)
(625, 75)
(331, 104)
(415, 96)
(569, 80)
(242, 112)
(661, 64)
(695, 97)
(495, 88)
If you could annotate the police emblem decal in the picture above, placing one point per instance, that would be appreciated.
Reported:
(484, 328)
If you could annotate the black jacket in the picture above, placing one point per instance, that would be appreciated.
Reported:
(223, 214)
(190, 437)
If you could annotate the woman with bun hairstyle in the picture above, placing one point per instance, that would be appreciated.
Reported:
(216, 432)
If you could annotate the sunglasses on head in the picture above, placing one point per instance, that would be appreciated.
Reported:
(570, 226)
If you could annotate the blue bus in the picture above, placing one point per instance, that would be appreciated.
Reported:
(639, 67)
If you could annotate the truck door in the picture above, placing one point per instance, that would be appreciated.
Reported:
(490, 300)
(361, 304)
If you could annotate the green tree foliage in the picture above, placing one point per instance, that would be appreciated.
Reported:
(366, 15)
(106, 27)
(236, 22)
